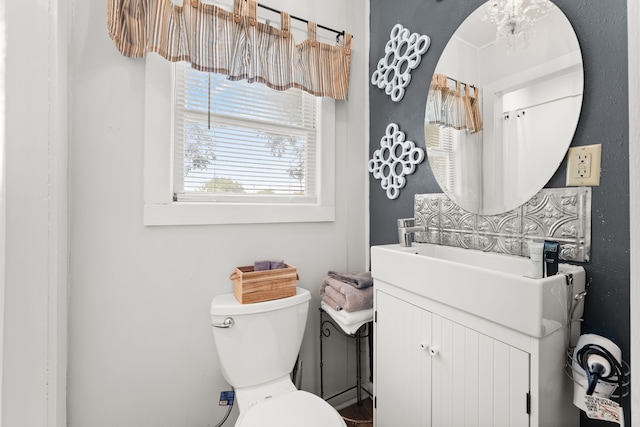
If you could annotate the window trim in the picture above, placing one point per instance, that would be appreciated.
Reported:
(159, 206)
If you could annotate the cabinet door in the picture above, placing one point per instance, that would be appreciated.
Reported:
(477, 380)
(403, 368)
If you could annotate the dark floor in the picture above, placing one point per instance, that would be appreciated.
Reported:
(358, 415)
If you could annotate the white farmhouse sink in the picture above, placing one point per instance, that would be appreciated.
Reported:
(488, 285)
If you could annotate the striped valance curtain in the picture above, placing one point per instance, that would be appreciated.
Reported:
(234, 43)
(454, 108)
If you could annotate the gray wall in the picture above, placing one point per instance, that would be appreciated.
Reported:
(601, 28)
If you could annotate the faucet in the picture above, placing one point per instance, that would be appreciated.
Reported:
(406, 230)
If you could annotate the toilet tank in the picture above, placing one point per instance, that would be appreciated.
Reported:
(263, 343)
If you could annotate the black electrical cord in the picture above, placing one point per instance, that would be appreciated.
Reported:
(229, 407)
(582, 357)
(225, 416)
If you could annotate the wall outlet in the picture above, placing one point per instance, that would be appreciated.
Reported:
(583, 165)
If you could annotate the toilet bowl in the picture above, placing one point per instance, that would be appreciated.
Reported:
(257, 345)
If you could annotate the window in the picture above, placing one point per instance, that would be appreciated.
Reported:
(241, 142)
(234, 152)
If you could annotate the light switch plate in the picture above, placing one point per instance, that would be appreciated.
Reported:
(583, 165)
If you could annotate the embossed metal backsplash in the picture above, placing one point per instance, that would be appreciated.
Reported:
(559, 214)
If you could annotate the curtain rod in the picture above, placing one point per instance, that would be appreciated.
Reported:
(339, 33)
(543, 103)
(462, 83)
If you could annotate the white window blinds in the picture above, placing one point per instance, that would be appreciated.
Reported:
(237, 142)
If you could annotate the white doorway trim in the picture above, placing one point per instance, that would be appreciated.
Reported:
(34, 212)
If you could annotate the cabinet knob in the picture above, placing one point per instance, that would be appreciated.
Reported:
(424, 347)
(433, 351)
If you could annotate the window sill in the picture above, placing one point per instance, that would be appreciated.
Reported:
(180, 213)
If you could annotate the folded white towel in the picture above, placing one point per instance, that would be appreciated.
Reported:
(349, 322)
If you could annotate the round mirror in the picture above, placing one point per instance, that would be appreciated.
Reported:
(503, 106)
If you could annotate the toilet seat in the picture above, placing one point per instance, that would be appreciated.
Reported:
(294, 409)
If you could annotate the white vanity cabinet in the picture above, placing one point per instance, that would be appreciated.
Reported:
(444, 357)
(432, 371)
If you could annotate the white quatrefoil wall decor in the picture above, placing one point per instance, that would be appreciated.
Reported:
(402, 54)
(395, 159)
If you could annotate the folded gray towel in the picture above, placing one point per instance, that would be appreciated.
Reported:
(330, 302)
(276, 264)
(347, 296)
(268, 264)
(335, 296)
(261, 265)
(357, 280)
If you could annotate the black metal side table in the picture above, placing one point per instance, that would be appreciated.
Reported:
(364, 331)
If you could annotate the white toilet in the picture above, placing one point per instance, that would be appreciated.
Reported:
(258, 345)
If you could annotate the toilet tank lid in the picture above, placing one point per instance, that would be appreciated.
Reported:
(227, 304)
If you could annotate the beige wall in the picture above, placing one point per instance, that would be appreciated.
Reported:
(140, 348)
(141, 351)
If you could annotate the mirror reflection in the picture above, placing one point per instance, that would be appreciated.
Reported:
(500, 116)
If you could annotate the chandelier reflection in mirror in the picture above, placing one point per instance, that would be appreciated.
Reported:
(514, 19)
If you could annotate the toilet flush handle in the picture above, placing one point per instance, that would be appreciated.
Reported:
(227, 323)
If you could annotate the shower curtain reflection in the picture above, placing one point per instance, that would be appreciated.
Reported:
(529, 133)
(516, 131)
